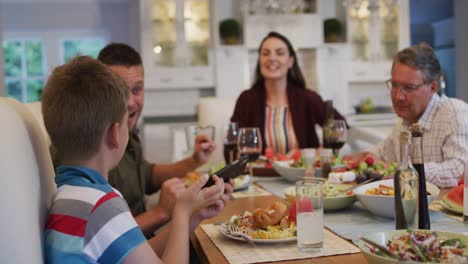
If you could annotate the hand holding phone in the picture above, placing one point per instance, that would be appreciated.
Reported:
(229, 171)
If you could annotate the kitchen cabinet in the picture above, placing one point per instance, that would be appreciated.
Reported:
(376, 31)
(307, 33)
(176, 43)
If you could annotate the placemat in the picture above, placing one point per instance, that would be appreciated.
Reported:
(237, 252)
(252, 191)
(357, 221)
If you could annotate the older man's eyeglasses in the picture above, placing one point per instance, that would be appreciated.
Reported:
(406, 88)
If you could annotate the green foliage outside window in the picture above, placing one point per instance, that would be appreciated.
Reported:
(24, 69)
(89, 47)
(12, 57)
(34, 58)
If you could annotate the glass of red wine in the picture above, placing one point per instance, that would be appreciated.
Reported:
(336, 134)
(249, 142)
(230, 142)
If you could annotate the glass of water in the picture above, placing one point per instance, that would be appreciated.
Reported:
(309, 206)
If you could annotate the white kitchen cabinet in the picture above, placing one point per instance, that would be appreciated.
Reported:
(331, 74)
(377, 29)
(176, 43)
(303, 30)
(232, 71)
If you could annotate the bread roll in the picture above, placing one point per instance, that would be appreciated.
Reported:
(270, 216)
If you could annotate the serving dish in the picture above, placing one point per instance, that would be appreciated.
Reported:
(384, 205)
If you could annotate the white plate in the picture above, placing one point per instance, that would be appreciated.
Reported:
(451, 209)
(242, 182)
(223, 230)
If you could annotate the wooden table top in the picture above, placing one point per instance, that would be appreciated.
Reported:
(209, 253)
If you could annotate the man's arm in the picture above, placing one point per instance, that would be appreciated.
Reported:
(203, 149)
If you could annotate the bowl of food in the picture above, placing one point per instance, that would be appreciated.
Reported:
(294, 172)
(416, 246)
(335, 197)
(288, 170)
(378, 197)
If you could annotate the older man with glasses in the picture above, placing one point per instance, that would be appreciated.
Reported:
(416, 73)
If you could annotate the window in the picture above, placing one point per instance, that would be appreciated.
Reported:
(82, 46)
(24, 69)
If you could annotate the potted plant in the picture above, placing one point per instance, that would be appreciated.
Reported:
(230, 31)
(332, 29)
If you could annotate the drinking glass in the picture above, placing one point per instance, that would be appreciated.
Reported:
(309, 208)
(249, 142)
(230, 142)
(336, 134)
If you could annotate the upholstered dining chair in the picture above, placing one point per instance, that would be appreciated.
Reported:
(26, 177)
(217, 112)
(35, 108)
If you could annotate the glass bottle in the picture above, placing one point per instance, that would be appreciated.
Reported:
(418, 163)
(406, 187)
(325, 161)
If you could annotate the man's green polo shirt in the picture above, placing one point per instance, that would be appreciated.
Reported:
(133, 176)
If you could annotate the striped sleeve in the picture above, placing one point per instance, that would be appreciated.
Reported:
(112, 232)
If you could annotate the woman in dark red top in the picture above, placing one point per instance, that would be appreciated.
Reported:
(278, 102)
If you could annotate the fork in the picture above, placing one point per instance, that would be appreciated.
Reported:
(235, 231)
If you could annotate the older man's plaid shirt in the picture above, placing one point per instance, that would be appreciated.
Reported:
(445, 141)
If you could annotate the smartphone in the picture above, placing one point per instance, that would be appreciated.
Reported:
(229, 171)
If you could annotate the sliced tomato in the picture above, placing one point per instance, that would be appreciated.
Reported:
(280, 156)
(370, 160)
(269, 153)
(351, 165)
(295, 154)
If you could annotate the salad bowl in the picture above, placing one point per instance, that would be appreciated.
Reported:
(404, 250)
(295, 174)
(333, 199)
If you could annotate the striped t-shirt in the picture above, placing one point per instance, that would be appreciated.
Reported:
(89, 221)
(279, 130)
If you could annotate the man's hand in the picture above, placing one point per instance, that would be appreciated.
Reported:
(203, 148)
(170, 190)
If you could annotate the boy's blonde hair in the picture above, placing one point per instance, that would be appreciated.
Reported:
(81, 98)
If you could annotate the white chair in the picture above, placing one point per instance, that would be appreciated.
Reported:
(36, 110)
(216, 112)
(27, 184)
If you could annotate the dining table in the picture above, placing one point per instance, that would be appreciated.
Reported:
(208, 251)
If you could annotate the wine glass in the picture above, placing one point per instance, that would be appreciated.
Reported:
(336, 134)
(249, 143)
(230, 142)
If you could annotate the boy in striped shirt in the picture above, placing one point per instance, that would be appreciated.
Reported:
(85, 113)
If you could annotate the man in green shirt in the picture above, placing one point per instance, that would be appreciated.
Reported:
(134, 176)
